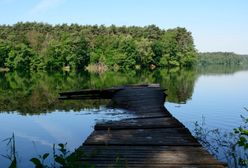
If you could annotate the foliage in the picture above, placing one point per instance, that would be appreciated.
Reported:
(178, 48)
(213, 69)
(20, 58)
(4, 51)
(219, 144)
(232, 146)
(12, 151)
(39, 46)
(39, 162)
(62, 159)
(69, 51)
(222, 58)
(242, 134)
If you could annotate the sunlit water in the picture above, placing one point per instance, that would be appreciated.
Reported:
(218, 101)
(218, 98)
(36, 134)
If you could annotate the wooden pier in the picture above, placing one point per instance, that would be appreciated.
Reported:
(152, 138)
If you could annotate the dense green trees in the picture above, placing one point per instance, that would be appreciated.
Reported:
(222, 58)
(70, 51)
(178, 48)
(38, 46)
(4, 51)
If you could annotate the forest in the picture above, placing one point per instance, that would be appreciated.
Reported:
(222, 58)
(39, 46)
(32, 46)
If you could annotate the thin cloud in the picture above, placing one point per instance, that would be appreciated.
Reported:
(44, 5)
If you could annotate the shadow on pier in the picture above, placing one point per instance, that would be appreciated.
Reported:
(153, 138)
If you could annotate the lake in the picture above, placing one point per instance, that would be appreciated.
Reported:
(30, 108)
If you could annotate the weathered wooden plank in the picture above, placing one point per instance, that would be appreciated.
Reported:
(145, 123)
(144, 114)
(91, 91)
(134, 109)
(160, 109)
(150, 155)
(149, 113)
(123, 164)
(141, 97)
(165, 158)
(98, 150)
(148, 116)
(132, 92)
(110, 90)
(79, 97)
(154, 137)
(137, 102)
(134, 95)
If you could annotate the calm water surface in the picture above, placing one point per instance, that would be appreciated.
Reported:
(30, 109)
(36, 134)
(217, 99)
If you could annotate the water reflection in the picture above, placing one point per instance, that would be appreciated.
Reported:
(38, 92)
(48, 120)
(35, 93)
(36, 134)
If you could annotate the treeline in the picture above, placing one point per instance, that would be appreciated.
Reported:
(222, 58)
(39, 46)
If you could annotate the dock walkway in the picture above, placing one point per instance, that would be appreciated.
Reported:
(153, 138)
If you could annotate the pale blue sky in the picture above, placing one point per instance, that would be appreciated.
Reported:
(216, 25)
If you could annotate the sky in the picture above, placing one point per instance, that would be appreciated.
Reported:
(216, 25)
